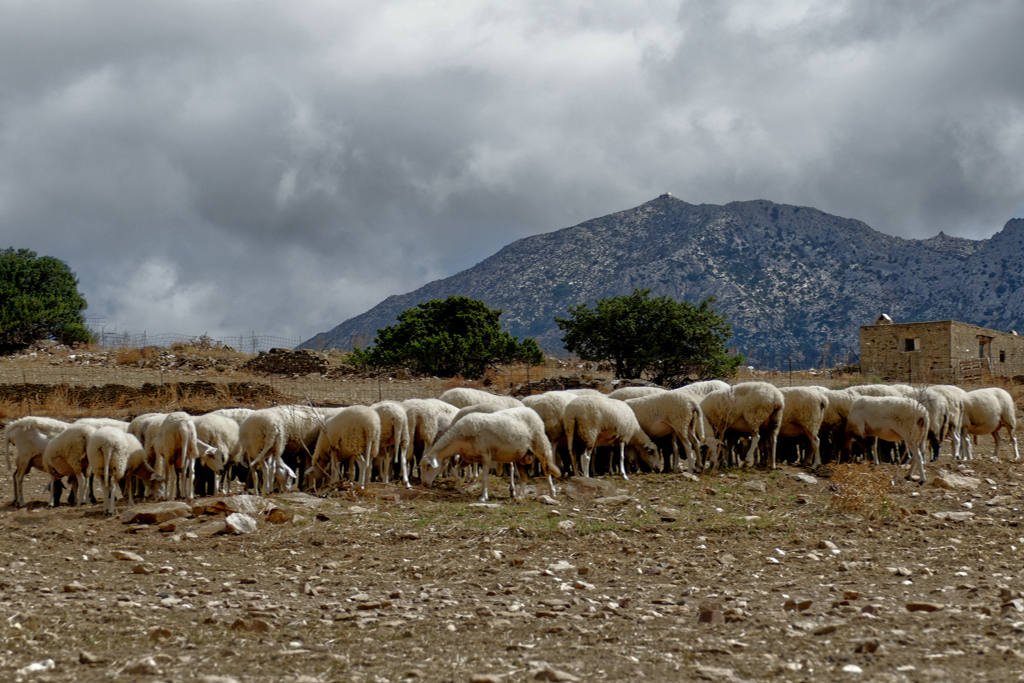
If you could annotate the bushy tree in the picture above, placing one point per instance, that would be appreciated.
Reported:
(39, 299)
(456, 336)
(659, 339)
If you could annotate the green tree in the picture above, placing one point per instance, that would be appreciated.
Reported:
(661, 339)
(38, 299)
(456, 336)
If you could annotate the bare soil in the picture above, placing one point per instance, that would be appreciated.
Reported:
(423, 585)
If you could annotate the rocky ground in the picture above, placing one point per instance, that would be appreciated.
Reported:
(737, 576)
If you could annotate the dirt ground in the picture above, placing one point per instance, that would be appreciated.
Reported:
(812, 580)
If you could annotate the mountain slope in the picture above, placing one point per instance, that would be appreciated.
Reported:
(788, 277)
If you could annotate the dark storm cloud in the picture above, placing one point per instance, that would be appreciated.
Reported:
(230, 167)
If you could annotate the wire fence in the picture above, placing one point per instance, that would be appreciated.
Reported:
(252, 343)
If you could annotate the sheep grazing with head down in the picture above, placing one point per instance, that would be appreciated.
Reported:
(460, 397)
(803, 414)
(428, 417)
(891, 418)
(394, 438)
(352, 434)
(748, 408)
(704, 387)
(66, 455)
(507, 436)
(177, 448)
(221, 434)
(986, 411)
(269, 433)
(29, 435)
(110, 450)
(674, 414)
(594, 421)
(551, 408)
(626, 393)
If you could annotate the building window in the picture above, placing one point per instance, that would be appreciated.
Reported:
(1002, 356)
(984, 347)
(911, 344)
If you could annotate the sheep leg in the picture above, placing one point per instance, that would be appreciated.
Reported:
(995, 436)
(512, 481)
(622, 459)
(584, 468)
(755, 438)
(487, 472)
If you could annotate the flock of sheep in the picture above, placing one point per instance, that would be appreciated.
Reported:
(163, 456)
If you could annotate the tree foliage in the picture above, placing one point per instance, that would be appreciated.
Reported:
(659, 339)
(456, 336)
(39, 299)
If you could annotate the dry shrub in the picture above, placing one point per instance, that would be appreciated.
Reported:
(864, 489)
(128, 356)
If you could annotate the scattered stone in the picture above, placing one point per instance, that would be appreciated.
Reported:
(99, 555)
(850, 595)
(126, 555)
(866, 647)
(955, 482)
(144, 568)
(668, 514)
(280, 516)
(75, 587)
(36, 667)
(547, 500)
(924, 607)
(86, 657)
(239, 523)
(853, 669)
(824, 630)
(567, 526)
(830, 546)
(260, 626)
(244, 503)
(479, 506)
(710, 614)
(806, 478)
(485, 678)
(217, 526)
(156, 513)
(794, 606)
(953, 516)
(160, 633)
(873, 610)
(146, 666)
(614, 500)
(550, 674)
(755, 485)
(217, 679)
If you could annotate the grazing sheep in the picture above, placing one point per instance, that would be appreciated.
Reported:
(109, 451)
(802, 415)
(601, 421)
(144, 427)
(351, 433)
(891, 418)
(269, 433)
(507, 436)
(833, 424)
(221, 433)
(675, 414)
(427, 418)
(551, 408)
(954, 417)
(879, 390)
(460, 397)
(177, 448)
(66, 456)
(583, 391)
(239, 415)
(986, 411)
(704, 387)
(394, 438)
(30, 436)
(749, 408)
(626, 393)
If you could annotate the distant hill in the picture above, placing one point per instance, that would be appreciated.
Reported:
(788, 277)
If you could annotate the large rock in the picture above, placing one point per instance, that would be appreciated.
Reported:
(245, 504)
(591, 486)
(955, 482)
(238, 523)
(156, 513)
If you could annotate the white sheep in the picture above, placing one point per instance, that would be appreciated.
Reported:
(427, 418)
(352, 434)
(749, 408)
(460, 397)
(891, 418)
(239, 415)
(177, 448)
(507, 436)
(109, 451)
(704, 387)
(986, 411)
(582, 391)
(394, 438)
(269, 433)
(802, 415)
(674, 414)
(221, 433)
(833, 424)
(626, 393)
(29, 435)
(600, 421)
(66, 456)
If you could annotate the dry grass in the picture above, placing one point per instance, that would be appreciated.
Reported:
(864, 489)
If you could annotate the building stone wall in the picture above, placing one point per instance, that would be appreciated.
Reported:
(943, 351)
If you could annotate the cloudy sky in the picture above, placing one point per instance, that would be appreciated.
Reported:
(230, 167)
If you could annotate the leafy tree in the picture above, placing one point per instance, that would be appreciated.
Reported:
(660, 338)
(39, 299)
(456, 336)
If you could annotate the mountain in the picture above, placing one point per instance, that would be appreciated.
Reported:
(788, 277)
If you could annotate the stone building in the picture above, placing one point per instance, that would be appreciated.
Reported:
(943, 351)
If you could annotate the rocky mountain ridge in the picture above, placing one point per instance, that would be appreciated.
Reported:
(788, 277)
